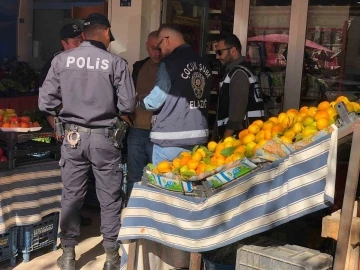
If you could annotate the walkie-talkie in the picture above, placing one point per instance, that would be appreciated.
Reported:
(58, 126)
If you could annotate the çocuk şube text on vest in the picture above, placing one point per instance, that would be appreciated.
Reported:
(255, 103)
(182, 121)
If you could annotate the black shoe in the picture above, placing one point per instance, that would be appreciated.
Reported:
(85, 221)
(113, 259)
(67, 260)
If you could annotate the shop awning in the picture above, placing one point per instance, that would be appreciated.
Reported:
(300, 184)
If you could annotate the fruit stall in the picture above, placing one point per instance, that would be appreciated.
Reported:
(271, 174)
(30, 184)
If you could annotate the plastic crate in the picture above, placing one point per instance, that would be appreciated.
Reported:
(8, 245)
(36, 236)
(268, 254)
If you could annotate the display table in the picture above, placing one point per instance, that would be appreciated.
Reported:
(27, 194)
(302, 183)
(20, 104)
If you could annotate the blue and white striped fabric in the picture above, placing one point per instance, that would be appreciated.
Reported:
(27, 194)
(287, 189)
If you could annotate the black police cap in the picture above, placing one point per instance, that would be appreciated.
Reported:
(96, 18)
(70, 30)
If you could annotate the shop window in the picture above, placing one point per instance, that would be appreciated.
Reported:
(268, 35)
(333, 67)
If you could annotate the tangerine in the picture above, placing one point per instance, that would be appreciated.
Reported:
(260, 135)
(312, 111)
(164, 167)
(304, 109)
(322, 123)
(211, 146)
(321, 114)
(197, 156)
(253, 128)
(240, 149)
(349, 107)
(201, 168)
(260, 123)
(248, 139)
(323, 106)
(267, 135)
(24, 125)
(219, 147)
(176, 162)
(274, 120)
(184, 160)
(243, 133)
(285, 139)
(6, 125)
(192, 164)
(269, 124)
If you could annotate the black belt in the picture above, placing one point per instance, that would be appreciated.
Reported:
(102, 131)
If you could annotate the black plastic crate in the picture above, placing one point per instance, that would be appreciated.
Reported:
(41, 234)
(8, 245)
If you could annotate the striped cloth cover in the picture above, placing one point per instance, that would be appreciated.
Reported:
(299, 184)
(27, 194)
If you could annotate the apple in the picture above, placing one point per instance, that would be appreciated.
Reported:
(1, 152)
(25, 119)
(14, 119)
(3, 158)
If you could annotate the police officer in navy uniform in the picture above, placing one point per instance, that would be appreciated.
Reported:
(95, 88)
(70, 36)
(182, 91)
(240, 97)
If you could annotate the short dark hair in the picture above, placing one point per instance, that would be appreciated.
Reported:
(169, 26)
(92, 30)
(231, 40)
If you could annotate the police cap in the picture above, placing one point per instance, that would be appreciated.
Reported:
(70, 30)
(96, 18)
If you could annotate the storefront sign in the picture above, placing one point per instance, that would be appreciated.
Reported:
(125, 3)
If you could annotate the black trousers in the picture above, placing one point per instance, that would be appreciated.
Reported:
(95, 151)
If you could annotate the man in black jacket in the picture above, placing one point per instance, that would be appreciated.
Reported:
(138, 142)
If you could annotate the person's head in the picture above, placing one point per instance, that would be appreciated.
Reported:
(151, 47)
(70, 35)
(97, 27)
(169, 38)
(228, 49)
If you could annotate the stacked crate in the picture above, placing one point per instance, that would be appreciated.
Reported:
(8, 245)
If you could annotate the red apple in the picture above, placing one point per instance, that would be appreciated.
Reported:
(14, 119)
(25, 119)
(3, 158)
(1, 152)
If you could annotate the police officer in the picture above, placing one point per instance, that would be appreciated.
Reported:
(182, 91)
(95, 86)
(240, 98)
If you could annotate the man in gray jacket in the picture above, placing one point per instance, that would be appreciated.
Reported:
(94, 87)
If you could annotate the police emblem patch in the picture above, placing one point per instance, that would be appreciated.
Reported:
(198, 84)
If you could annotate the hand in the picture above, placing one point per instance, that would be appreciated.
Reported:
(127, 119)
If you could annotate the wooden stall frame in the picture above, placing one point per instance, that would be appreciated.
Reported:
(351, 185)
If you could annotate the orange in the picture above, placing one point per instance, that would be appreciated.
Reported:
(289, 134)
(309, 131)
(332, 112)
(243, 133)
(229, 159)
(308, 120)
(322, 123)
(236, 143)
(213, 160)
(201, 168)
(250, 149)
(332, 104)
(349, 107)
(304, 109)
(184, 160)
(228, 144)
(260, 123)
(286, 122)
(297, 127)
(164, 167)
(6, 125)
(321, 114)
(237, 156)
(220, 161)
(197, 156)
(240, 149)
(260, 135)
(202, 152)
(156, 171)
(185, 154)
(312, 111)
(285, 139)
(281, 117)
(211, 146)
(276, 130)
(219, 147)
(176, 162)
(253, 128)
(356, 106)
(192, 164)
(269, 124)
(262, 142)
(274, 120)
(292, 113)
(267, 135)
(248, 138)
(323, 106)
(229, 139)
